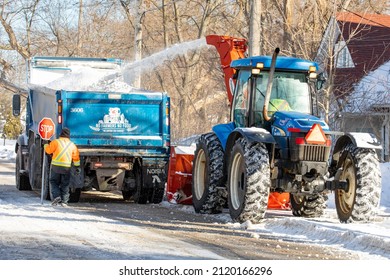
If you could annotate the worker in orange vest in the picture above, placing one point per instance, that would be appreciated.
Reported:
(64, 152)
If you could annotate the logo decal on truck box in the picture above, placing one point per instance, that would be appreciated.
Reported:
(114, 121)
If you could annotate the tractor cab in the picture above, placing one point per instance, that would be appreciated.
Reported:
(292, 89)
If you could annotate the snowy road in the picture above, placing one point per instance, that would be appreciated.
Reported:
(105, 227)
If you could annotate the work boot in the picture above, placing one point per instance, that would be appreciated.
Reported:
(56, 201)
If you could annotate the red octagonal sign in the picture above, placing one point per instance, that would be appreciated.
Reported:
(46, 128)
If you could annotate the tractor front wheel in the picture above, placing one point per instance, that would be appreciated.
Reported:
(249, 181)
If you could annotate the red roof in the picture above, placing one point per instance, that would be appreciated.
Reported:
(368, 41)
(367, 19)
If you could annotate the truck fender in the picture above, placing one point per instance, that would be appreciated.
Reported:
(251, 134)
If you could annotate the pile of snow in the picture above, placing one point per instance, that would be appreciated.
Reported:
(7, 150)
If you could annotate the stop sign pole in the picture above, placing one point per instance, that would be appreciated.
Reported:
(46, 129)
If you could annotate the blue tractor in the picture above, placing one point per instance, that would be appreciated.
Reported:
(274, 143)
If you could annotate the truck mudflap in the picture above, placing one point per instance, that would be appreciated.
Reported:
(154, 177)
(76, 179)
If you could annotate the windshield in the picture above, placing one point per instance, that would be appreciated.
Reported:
(290, 92)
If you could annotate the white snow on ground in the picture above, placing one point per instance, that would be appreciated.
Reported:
(371, 241)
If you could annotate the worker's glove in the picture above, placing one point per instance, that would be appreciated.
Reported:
(78, 170)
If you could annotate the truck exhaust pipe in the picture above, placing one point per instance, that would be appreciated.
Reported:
(269, 85)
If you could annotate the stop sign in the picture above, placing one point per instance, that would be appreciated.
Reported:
(46, 128)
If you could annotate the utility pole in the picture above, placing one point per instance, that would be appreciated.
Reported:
(138, 41)
(255, 28)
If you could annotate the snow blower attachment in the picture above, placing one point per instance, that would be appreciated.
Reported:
(180, 175)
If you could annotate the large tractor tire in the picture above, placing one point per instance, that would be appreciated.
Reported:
(249, 181)
(362, 172)
(208, 189)
(22, 180)
(309, 206)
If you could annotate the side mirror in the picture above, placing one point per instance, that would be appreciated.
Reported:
(321, 80)
(16, 105)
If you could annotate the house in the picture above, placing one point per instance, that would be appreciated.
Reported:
(355, 55)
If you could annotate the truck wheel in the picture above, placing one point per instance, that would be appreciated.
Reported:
(127, 195)
(249, 181)
(22, 181)
(362, 172)
(142, 194)
(74, 195)
(208, 190)
(309, 206)
(35, 167)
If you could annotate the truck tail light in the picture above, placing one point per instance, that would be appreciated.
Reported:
(167, 113)
(59, 111)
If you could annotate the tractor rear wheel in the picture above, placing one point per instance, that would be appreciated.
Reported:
(208, 190)
(309, 206)
(362, 172)
(249, 181)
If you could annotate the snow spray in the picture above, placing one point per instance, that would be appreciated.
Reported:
(130, 70)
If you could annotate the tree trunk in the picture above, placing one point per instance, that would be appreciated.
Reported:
(255, 29)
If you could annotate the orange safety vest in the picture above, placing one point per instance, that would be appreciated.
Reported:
(64, 151)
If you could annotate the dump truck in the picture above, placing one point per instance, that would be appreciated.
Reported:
(123, 136)
(277, 142)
